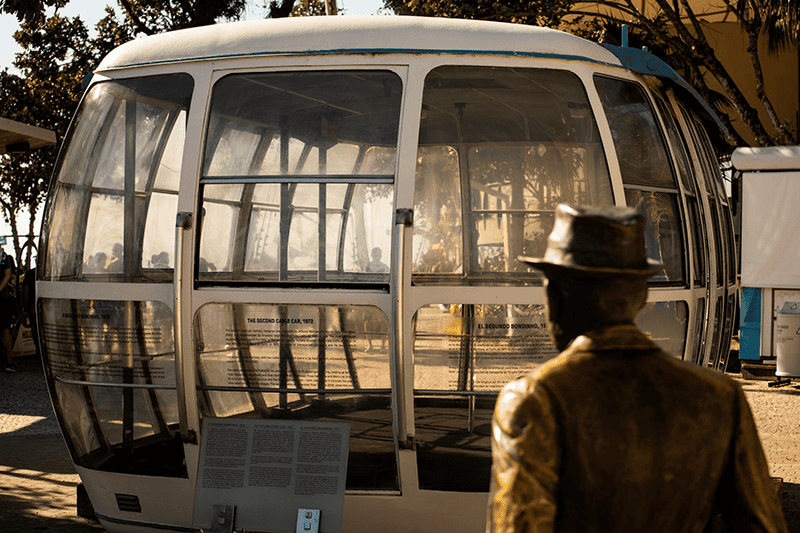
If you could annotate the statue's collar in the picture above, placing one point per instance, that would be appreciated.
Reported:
(620, 337)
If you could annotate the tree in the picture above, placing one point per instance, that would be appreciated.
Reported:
(156, 16)
(670, 28)
(533, 12)
(58, 55)
(29, 10)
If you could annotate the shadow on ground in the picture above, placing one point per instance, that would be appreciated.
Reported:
(790, 501)
(791, 505)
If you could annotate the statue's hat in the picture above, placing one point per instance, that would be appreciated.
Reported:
(601, 240)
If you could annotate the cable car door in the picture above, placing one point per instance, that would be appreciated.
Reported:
(288, 280)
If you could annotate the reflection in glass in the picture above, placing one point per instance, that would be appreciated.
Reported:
(275, 232)
(437, 211)
(699, 249)
(303, 362)
(721, 258)
(719, 332)
(663, 233)
(267, 128)
(637, 136)
(679, 144)
(666, 323)
(104, 247)
(303, 123)
(463, 355)
(121, 427)
(118, 181)
(512, 143)
(697, 354)
(158, 244)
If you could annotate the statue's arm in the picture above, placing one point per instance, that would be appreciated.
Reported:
(525, 461)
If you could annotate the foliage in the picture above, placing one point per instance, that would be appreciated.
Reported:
(533, 12)
(782, 24)
(669, 28)
(156, 16)
(58, 55)
(308, 8)
(29, 10)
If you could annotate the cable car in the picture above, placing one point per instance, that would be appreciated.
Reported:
(267, 224)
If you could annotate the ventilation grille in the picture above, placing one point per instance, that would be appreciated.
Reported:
(128, 502)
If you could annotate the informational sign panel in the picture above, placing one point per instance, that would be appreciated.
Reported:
(109, 341)
(479, 353)
(326, 346)
(269, 469)
(507, 348)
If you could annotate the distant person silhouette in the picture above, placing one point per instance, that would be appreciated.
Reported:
(375, 265)
(8, 308)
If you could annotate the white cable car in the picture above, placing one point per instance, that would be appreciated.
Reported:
(316, 220)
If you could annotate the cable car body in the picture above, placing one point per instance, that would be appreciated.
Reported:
(318, 219)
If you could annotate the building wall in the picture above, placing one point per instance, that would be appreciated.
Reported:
(781, 80)
(730, 45)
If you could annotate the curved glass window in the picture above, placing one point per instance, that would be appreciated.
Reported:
(303, 362)
(694, 222)
(117, 185)
(499, 148)
(640, 148)
(463, 355)
(647, 174)
(298, 232)
(297, 182)
(111, 368)
(303, 123)
(663, 232)
(667, 324)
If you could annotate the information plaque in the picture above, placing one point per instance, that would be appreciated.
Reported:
(268, 469)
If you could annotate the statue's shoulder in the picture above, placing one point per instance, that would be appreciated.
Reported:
(521, 402)
(705, 377)
(537, 382)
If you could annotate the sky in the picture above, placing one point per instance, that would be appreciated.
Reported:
(93, 10)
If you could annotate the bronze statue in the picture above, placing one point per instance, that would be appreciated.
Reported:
(614, 435)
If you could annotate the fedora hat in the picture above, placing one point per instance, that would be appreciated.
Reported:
(602, 240)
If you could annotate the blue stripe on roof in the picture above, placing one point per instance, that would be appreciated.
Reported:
(367, 51)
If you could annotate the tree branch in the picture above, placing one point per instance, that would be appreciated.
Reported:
(784, 136)
(137, 22)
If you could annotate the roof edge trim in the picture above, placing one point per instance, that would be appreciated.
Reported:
(372, 51)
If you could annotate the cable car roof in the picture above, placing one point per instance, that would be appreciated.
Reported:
(304, 36)
(354, 35)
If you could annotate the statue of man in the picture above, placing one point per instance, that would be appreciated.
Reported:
(614, 434)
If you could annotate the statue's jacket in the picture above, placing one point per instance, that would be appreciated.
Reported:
(616, 435)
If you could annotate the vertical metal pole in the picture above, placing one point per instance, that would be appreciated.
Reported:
(322, 258)
(404, 219)
(183, 224)
(322, 214)
(322, 340)
(286, 212)
(126, 257)
(284, 355)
